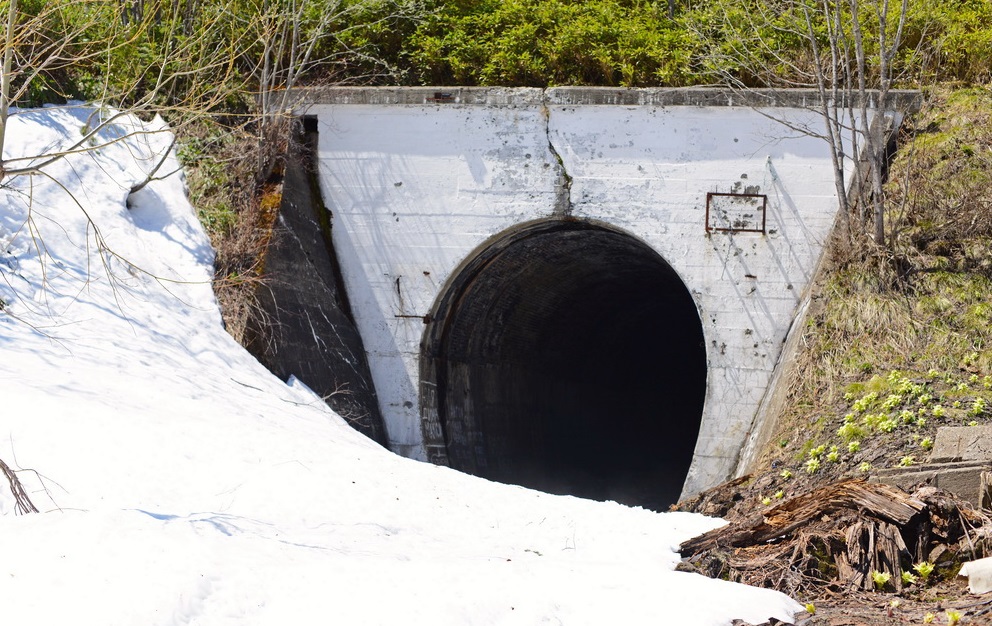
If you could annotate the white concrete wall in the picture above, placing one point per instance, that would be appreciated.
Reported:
(647, 170)
(414, 189)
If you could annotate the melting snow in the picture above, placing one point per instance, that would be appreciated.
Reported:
(181, 483)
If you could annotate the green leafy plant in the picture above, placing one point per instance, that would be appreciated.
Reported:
(862, 404)
(891, 402)
(924, 569)
(874, 420)
(880, 579)
(850, 431)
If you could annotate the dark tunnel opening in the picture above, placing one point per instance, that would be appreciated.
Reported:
(570, 358)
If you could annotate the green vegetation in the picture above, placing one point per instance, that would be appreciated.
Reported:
(221, 175)
(924, 569)
(637, 43)
(518, 42)
(488, 42)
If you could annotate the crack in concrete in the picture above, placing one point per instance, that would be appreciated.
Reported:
(563, 186)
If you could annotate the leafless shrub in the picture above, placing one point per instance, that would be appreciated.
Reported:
(23, 504)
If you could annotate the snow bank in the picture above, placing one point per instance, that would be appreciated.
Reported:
(181, 483)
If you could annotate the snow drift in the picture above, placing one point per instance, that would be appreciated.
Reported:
(181, 483)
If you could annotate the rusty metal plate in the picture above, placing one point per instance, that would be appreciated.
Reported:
(736, 212)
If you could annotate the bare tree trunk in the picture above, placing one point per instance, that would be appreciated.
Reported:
(8, 57)
(877, 156)
(5, 76)
(189, 16)
(831, 103)
(844, 64)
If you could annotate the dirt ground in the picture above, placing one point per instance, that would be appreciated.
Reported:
(840, 608)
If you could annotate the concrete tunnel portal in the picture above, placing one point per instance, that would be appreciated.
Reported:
(500, 319)
(570, 358)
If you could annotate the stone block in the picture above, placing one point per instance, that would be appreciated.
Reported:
(963, 443)
(968, 480)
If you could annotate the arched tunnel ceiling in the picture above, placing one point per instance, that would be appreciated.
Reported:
(572, 360)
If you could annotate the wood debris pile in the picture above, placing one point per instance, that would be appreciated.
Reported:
(837, 536)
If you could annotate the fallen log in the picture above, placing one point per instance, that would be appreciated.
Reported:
(850, 535)
(885, 503)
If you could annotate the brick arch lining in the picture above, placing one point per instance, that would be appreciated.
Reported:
(569, 358)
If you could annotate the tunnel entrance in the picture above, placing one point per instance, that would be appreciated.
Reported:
(568, 357)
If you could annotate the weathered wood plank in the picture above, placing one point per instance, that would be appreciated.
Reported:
(879, 501)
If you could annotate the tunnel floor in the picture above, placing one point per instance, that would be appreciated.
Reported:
(571, 360)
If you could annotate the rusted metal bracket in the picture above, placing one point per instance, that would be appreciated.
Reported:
(736, 212)
(427, 319)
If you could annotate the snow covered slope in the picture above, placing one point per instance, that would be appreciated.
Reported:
(181, 483)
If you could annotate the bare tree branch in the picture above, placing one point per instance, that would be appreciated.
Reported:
(22, 503)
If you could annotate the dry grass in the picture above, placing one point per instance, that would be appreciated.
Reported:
(922, 308)
(238, 212)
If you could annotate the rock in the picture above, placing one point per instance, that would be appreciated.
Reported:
(965, 479)
(979, 575)
(963, 443)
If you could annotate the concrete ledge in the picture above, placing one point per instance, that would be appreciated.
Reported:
(487, 96)
(961, 463)
(968, 480)
(900, 100)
